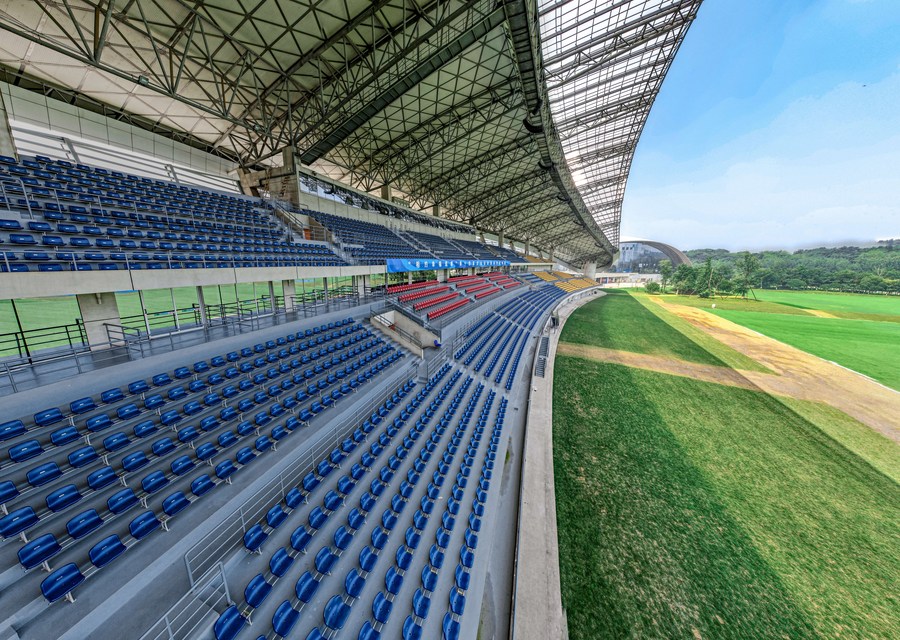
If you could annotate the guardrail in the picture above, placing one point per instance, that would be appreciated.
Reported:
(227, 536)
(183, 618)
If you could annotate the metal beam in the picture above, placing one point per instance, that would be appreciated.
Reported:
(424, 69)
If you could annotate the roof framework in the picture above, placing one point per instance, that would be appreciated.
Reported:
(519, 116)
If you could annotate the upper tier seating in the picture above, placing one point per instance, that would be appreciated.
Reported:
(82, 218)
(440, 247)
(367, 242)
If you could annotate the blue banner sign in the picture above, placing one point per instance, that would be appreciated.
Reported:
(396, 265)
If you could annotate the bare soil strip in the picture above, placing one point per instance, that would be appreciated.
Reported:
(798, 374)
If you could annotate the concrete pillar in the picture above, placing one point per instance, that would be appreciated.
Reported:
(436, 211)
(442, 275)
(325, 289)
(98, 309)
(527, 247)
(362, 284)
(272, 296)
(409, 277)
(290, 290)
(7, 147)
(201, 302)
(590, 270)
(500, 239)
(386, 192)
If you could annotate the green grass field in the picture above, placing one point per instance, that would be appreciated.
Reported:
(834, 302)
(689, 509)
(869, 347)
(618, 321)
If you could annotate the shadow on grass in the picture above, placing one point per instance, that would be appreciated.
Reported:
(647, 548)
(618, 321)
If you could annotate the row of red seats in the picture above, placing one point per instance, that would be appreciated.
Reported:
(421, 293)
(474, 283)
(511, 284)
(400, 288)
(478, 287)
(430, 303)
(437, 313)
(484, 294)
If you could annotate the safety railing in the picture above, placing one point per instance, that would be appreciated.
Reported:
(26, 342)
(184, 618)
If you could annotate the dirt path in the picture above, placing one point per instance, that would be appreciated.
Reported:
(797, 373)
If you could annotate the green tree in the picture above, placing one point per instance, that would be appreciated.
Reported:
(747, 268)
(683, 279)
(652, 287)
(665, 272)
(704, 283)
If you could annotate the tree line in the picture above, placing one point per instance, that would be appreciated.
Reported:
(722, 272)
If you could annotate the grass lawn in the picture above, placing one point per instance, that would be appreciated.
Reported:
(841, 302)
(693, 510)
(871, 348)
(618, 321)
(734, 304)
(728, 356)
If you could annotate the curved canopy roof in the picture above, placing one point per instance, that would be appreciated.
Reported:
(517, 116)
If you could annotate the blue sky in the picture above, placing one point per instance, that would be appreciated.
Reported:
(778, 126)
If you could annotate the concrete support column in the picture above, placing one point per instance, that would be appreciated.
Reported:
(271, 296)
(7, 147)
(409, 277)
(290, 290)
(362, 284)
(500, 239)
(201, 302)
(98, 309)
(527, 247)
(590, 270)
(386, 192)
(325, 289)
(436, 211)
(442, 275)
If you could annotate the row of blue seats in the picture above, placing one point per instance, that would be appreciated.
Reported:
(61, 582)
(34, 440)
(450, 626)
(338, 607)
(235, 618)
(106, 215)
(305, 340)
(18, 521)
(40, 550)
(120, 441)
(96, 224)
(77, 177)
(117, 263)
(383, 605)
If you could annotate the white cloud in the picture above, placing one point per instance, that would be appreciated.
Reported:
(826, 169)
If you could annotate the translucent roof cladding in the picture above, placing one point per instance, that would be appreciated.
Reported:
(604, 61)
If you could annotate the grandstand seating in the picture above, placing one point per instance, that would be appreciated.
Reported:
(233, 401)
(575, 284)
(367, 242)
(82, 218)
(387, 575)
